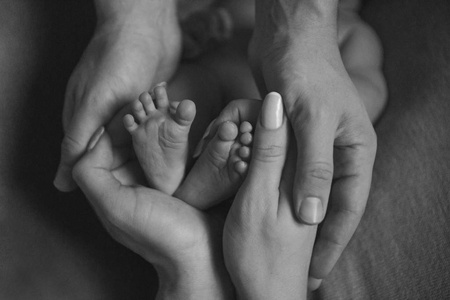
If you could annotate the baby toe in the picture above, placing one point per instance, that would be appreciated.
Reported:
(138, 111)
(162, 100)
(129, 123)
(147, 102)
(245, 127)
(244, 152)
(228, 131)
(241, 167)
(246, 138)
(185, 113)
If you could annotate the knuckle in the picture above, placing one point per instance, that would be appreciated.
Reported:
(71, 146)
(268, 153)
(322, 171)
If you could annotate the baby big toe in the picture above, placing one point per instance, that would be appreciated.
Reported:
(185, 113)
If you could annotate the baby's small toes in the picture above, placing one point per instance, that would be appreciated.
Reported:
(241, 167)
(245, 127)
(244, 152)
(129, 123)
(162, 100)
(147, 102)
(138, 111)
(246, 138)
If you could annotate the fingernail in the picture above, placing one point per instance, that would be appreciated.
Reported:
(95, 138)
(199, 149)
(272, 111)
(162, 83)
(314, 283)
(311, 211)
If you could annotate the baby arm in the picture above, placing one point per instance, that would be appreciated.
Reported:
(362, 55)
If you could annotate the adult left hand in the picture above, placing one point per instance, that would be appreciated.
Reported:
(183, 243)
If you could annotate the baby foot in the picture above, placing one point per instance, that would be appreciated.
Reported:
(220, 169)
(160, 137)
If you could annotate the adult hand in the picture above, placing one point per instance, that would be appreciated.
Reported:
(132, 48)
(267, 252)
(294, 51)
(183, 243)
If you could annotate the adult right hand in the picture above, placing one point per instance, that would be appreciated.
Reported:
(294, 51)
(126, 56)
(267, 252)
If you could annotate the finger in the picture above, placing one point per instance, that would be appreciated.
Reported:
(80, 130)
(349, 196)
(143, 219)
(269, 146)
(93, 171)
(314, 169)
(314, 283)
(112, 201)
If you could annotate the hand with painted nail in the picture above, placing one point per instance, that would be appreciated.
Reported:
(183, 243)
(294, 51)
(128, 53)
(267, 252)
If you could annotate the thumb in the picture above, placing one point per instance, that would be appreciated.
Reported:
(94, 176)
(270, 144)
(73, 146)
(93, 171)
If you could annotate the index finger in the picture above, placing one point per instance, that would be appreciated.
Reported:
(78, 134)
(348, 201)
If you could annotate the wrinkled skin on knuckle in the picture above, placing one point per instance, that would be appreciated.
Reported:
(320, 171)
(70, 146)
(306, 114)
(270, 153)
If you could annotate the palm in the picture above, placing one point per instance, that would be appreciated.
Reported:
(116, 66)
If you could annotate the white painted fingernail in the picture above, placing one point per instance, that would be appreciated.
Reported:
(272, 111)
(95, 138)
(311, 211)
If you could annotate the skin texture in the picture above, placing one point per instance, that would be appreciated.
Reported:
(183, 243)
(57, 241)
(294, 51)
(267, 252)
(132, 46)
(136, 44)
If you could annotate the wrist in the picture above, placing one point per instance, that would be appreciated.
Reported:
(195, 282)
(272, 287)
(284, 20)
(198, 273)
